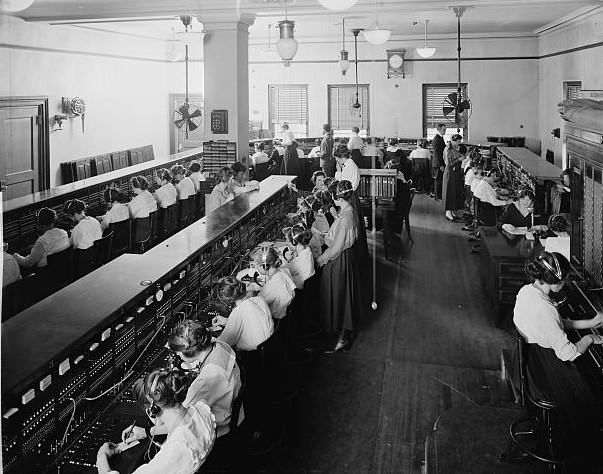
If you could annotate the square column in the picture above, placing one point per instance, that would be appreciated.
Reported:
(226, 75)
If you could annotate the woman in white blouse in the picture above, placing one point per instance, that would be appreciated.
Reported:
(166, 194)
(550, 354)
(279, 289)
(87, 229)
(250, 321)
(184, 185)
(340, 285)
(143, 202)
(190, 431)
(117, 211)
(299, 260)
(194, 169)
(222, 191)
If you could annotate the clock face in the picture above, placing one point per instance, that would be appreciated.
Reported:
(395, 61)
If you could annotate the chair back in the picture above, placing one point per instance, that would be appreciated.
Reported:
(184, 209)
(526, 395)
(102, 250)
(154, 227)
(121, 237)
(141, 230)
(262, 171)
(486, 213)
(60, 268)
(83, 262)
(172, 219)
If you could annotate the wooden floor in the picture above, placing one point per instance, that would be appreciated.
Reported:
(431, 346)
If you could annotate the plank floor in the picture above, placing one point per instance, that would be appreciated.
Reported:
(431, 346)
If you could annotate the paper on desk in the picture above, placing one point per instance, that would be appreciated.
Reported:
(529, 236)
(511, 229)
(123, 446)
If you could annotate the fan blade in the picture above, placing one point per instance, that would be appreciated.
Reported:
(452, 97)
(447, 110)
(183, 109)
(191, 125)
(196, 113)
(179, 123)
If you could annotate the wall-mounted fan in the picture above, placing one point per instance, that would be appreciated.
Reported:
(457, 108)
(187, 117)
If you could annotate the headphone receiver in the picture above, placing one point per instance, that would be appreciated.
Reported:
(154, 409)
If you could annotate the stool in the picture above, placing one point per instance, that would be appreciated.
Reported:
(533, 437)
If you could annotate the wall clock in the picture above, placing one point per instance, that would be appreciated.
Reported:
(395, 63)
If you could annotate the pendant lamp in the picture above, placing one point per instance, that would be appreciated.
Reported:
(337, 4)
(344, 62)
(13, 6)
(377, 35)
(286, 46)
(425, 51)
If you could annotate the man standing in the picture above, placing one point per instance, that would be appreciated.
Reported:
(288, 139)
(355, 146)
(437, 160)
(327, 163)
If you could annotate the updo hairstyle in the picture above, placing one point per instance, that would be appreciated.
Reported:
(194, 167)
(139, 182)
(300, 235)
(229, 289)
(266, 257)
(170, 387)
(316, 174)
(549, 267)
(344, 190)
(164, 175)
(189, 337)
(46, 216)
(74, 206)
(557, 223)
(177, 170)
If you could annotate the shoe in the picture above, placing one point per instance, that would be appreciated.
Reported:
(468, 227)
(476, 249)
(342, 344)
(431, 195)
(471, 238)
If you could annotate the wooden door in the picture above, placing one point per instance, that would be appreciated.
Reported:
(178, 140)
(23, 146)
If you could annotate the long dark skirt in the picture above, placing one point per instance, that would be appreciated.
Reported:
(362, 243)
(340, 292)
(579, 412)
(452, 187)
(286, 158)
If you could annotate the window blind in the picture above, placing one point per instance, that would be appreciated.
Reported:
(572, 90)
(288, 103)
(342, 116)
(434, 96)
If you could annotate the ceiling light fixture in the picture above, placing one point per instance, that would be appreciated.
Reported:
(356, 105)
(425, 51)
(377, 35)
(13, 6)
(337, 4)
(286, 46)
(344, 63)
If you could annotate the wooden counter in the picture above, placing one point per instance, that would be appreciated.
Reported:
(531, 163)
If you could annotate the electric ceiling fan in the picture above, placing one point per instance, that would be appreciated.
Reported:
(187, 117)
(457, 108)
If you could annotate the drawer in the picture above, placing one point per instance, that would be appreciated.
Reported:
(509, 282)
(511, 268)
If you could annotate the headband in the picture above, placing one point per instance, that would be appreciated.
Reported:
(555, 271)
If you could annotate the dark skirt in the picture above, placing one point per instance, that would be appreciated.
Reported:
(579, 412)
(452, 187)
(362, 242)
(340, 292)
(286, 158)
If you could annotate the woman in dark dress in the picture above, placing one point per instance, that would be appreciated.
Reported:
(340, 284)
(550, 355)
(520, 213)
(453, 183)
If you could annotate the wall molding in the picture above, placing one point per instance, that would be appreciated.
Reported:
(80, 53)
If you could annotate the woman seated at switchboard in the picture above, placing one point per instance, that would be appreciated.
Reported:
(222, 191)
(195, 174)
(250, 321)
(86, 230)
(239, 184)
(279, 288)
(520, 213)
(190, 430)
(117, 211)
(51, 241)
(218, 378)
(318, 180)
(143, 202)
(184, 184)
(166, 195)
(298, 255)
(550, 355)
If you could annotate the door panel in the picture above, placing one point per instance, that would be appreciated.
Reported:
(20, 150)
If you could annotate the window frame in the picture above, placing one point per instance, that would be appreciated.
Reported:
(271, 125)
(367, 113)
(449, 125)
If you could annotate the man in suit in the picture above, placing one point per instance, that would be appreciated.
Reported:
(327, 163)
(437, 160)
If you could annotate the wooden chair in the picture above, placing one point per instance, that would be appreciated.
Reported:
(184, 212)
(153, 217)
(172, 219)
(486, 213)
(102, 250)
(60, 269)
(121, 237)
(141, 233)
(262, 171)
(83, 262)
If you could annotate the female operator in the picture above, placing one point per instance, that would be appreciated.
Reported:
(550, 354)
(279, 289)
(218, 379)
(190, 431)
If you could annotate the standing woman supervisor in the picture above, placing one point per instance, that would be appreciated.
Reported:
(340, 285)
(550, 354)
(452, 181)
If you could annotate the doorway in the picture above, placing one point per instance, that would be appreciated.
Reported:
(178, 140)
(24, 146)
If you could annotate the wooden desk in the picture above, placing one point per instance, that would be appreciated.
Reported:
(502, 263)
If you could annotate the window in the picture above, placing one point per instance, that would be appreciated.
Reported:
(572, 90)
(342, 116)
(434, 96)
(288, 103)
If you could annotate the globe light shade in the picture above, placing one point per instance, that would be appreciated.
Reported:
(426, 52)
(174, 51)
(377, 36)
(286, 46)
(337, 4)
(344, 63)
(13, 6)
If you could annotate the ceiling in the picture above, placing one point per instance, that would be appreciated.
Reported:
(157, 18)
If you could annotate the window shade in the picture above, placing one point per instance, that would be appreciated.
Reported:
(288, 103)
(342, 116)
(433, 102)
(572, 90)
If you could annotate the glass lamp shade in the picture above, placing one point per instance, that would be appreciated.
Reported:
(174, 51)
(286, 46)
(12, 6)
(377, 35)
(337, 4)
(344, 63)
(426, 52)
